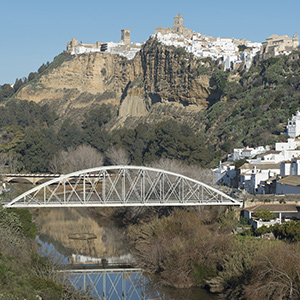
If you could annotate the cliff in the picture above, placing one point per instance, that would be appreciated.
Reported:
(159, 83)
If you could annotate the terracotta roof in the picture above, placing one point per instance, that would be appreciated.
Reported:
(274, 207)
(293, 180)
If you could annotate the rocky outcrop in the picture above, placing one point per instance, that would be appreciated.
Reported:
(158, 78)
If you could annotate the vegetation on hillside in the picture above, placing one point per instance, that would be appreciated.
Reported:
(30, 140)
(24, 274)
(256, 104)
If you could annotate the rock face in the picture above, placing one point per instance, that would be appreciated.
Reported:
(160, 80)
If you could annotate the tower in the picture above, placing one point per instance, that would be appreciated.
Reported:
(293, 127)
(178, 23)
(125, 36)
(295, 41)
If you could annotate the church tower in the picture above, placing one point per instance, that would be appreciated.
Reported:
(125, 36)
(178, 23)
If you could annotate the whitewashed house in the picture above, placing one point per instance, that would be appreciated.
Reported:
(293, 126)
(291, 144)
(290, 167)
(271, 157)
(225, 174)
(282, 212)
(252, 175)
(247, 152)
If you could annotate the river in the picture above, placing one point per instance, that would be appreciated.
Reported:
(84, 239)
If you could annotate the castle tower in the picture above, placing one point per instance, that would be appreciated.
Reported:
(125, 36)
(295, 41)
(72, 44)
(178, 23)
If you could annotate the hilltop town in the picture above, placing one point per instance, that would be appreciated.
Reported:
(231, 52)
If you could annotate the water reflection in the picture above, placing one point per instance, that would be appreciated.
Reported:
(127, 284)
(75, 234)
(83, 241)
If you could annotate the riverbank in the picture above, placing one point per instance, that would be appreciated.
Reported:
(24, 274)
(195, 249)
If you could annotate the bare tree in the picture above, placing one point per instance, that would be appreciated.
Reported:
(192, 171)
(118, 156)
(12, 162)
(57, 162)
(3, 162)
(83, 157)
(8, 161)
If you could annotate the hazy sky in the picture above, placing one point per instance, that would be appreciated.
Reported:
(35, 31)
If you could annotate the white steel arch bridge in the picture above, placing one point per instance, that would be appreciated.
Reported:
(113, 186)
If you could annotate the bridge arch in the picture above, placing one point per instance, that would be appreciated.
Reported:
(122, 186)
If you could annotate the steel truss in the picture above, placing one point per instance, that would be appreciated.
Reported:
(122, 186)
(110, 284)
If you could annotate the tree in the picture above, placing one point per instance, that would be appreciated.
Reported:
(118, 156)
(57, 162)
(193, 171)
(83, 157)
(36, 149)
(288, 231)
(32, 76)
(7, 90)
(69, 135)
(10, 161)
(42, 68)
(220, 79)
(18, 83)
(264, 214)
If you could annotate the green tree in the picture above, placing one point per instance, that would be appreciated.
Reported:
(7, 90)
(37, 148)
(32, 76)
(220, 79)
(264, 214)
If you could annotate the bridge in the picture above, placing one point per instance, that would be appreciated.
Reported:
(114, 186)
(33, 178)
(110, 284)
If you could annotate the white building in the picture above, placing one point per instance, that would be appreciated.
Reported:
(225, 174)
(253, 175)
(207, 46)
(241, 153)
(271, 157)
(291, 144)
(291, 167)
(282, 212)
(293, 127)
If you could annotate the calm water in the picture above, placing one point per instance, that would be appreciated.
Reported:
(82, 239)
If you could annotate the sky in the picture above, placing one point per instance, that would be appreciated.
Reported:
(35, 31)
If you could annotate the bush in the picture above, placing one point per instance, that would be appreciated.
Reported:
(263, 230)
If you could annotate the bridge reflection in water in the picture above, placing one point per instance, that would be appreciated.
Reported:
(111, 284)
